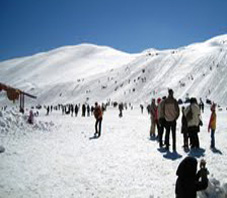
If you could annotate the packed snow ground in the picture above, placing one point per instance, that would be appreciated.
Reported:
(64, 161)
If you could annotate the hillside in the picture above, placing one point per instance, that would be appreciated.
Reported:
(95, 73)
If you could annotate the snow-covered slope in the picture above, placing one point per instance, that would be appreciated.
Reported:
(88, 73)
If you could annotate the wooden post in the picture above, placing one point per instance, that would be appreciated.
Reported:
(22, 103)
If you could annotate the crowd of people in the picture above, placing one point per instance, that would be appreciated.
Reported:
(164, 116)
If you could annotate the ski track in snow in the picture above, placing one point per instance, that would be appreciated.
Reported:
(123, 162)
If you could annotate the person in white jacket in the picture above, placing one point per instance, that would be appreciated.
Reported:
(192, 113)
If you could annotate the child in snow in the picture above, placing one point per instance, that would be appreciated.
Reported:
(212, 125)
(31, 117)
(190, 181)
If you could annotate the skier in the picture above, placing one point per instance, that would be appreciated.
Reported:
(98, 116)
(171, 113)
(212, 125)
(192, 113)
(188, 181)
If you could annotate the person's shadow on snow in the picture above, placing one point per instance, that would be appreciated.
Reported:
(172, 155)
(93, 137)
(197, 152)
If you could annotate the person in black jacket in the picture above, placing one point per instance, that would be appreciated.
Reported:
(184, 129)
(188, 181)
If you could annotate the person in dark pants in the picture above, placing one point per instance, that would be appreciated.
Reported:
(192, 113)
(120, 107)
(76, 110)
(161, 121)
(190, 181)
(83, 110)
(171, 114)
(184, 129)
(98, 116)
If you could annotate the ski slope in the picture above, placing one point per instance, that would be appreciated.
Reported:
(88, 73)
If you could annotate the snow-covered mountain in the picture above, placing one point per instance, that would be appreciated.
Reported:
(95, 73)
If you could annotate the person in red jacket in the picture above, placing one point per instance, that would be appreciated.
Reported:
(212, 125)
(98, 116)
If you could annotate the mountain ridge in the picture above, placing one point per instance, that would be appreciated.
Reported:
(88, 73)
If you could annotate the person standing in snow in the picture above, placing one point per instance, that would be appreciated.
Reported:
(76, 109)
(161, 121)
(212, 125)
(31, 117)
(120, 107)
(88, 110)
(201, 105)
(171, 114)
(48, 110)
(190, 181)
(156, 117)
(184, 129)
(192, 113)
(141, 107)
(153, 118)
(98, 116)
(83, 110)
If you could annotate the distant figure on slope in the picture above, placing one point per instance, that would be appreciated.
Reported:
(76, 109)
(98, 116)
(71, 109)
(201, 105)
(48, 110)
(190, 181)
(153, 118)
(192, 113)
(141, 107)
(31, 117)
(88, 110)
(212, 125)
(120, 107)
(83, 110)
(148, 109)
(171, 113)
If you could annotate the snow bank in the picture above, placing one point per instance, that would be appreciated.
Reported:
(12, 121)
(214, 190)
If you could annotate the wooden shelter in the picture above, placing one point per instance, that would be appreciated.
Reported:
(15, 94)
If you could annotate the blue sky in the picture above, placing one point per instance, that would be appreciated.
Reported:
(31, 26)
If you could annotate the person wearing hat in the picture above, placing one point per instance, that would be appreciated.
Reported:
(212, 125)
(190, 181)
